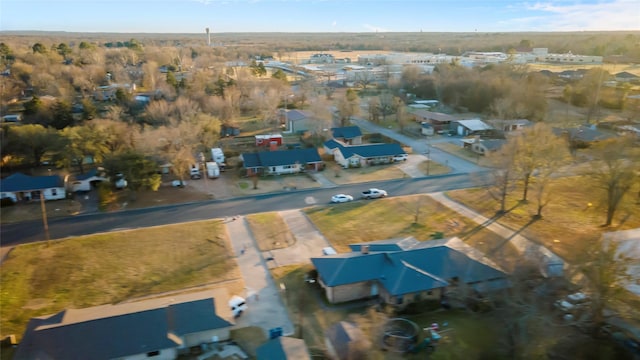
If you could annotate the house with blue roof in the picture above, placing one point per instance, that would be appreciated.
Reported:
(348, 135)
(402, 271)
(281, 162)
(159, 328)
(362, 155)
(84, 182)
(24, 187)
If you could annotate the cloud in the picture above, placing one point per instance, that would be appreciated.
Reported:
(374, 28)
(577, 16)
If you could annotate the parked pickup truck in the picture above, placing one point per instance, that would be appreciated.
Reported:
(373, 194)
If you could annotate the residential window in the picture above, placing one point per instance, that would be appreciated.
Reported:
(429, 292)
(399, 300)
(54, 192)
(153, 353)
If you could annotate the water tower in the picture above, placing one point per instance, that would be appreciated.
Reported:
(208, 37)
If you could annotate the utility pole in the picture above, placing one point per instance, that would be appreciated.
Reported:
(44, 217)
(428, 152)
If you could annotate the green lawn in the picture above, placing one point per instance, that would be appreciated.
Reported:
(39, 279)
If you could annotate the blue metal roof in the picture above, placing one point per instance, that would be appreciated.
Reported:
(21, 182)
(279, 158)
(367, 150)
(419, 268)
(347, 132)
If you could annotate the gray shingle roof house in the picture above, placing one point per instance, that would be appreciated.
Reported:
(362, 155)
(350, 135)
(281, 162)
(283, 348)
(400, 271)
(297, 121)
(581, 136)
(20, 186)
(158, 327)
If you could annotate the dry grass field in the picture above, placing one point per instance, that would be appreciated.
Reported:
(41, 278)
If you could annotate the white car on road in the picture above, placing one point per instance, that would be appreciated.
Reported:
(341, 198)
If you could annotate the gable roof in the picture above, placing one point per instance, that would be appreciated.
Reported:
(433, 115)
(493, 144)
(22, 182)
(626, 75)
(475, 124)
(422, 266)
(283, 348)
(279, 158)
(297, 115)
(114, 331)
(342, 335)
(346, 132)
(582, 133)
(366, 150)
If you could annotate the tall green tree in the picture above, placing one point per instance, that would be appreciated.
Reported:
(39, 48)
(140, 171)
(33, 106)
(32, 141)
(62, 116)
(280, 75)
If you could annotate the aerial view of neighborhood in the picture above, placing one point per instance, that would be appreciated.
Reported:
(297, 195)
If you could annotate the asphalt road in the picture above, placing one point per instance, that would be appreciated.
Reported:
(32, 231)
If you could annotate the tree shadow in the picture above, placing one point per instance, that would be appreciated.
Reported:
(480, 227)
(514, 234)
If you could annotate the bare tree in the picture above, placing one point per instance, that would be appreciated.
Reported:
(503, 174)
(615, 171)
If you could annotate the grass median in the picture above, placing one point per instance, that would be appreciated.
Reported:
(40, 278)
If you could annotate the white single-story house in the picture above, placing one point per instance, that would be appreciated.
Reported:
(484, 147)
(362, 155)
(158, 328)
(24, 187)
(281, 162)
(84, 182)
(510, 125)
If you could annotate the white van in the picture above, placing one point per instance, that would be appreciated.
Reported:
(237, 305)
(329, 251)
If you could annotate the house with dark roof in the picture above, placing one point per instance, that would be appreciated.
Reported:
(486, 146)
(439, 121)
(510, 125)
(348, 135)
(281, 162)
(283, 348)
(24, 187)
(161, 328)
(84, 182)
(362, 155)
(626, 76)
(401, 271)
(581, 137)
(296, 121)
(345, 341)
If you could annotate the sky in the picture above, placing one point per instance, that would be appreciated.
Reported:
(193, 16)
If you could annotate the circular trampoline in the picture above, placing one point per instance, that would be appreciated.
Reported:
(400, 335)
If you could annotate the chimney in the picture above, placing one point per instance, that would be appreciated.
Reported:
(364, 249)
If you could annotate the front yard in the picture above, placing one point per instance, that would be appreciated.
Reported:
(39, 279)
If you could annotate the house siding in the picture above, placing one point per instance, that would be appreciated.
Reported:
(348, 292)
(283, 169)
(198, 338)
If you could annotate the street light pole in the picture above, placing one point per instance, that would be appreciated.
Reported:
(428, 152)
(44, 217)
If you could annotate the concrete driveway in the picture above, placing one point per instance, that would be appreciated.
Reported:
(309, 241)
(265, 306)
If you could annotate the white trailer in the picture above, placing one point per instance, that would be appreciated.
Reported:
(213, 170)
(217, 155)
